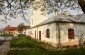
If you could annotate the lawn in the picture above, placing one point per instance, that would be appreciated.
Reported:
(6, 35)
(38, 51)
(22, 42)
(36, 48)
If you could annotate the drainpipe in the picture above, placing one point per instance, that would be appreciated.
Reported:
(37, 33)
(59, 37)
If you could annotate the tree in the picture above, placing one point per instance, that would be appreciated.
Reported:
(21, 27)
(82, 4)
(13, 8)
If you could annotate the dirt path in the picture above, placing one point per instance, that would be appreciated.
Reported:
(4, 48)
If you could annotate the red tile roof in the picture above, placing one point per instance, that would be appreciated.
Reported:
(11, 29)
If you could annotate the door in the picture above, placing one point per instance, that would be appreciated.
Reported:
(39, 35)
(35, 34)
(70, 33)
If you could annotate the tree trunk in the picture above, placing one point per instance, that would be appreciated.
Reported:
(82, 5)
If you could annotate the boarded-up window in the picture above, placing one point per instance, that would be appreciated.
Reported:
(47, 33)
(70, 34)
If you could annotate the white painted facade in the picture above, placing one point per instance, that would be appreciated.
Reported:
(36, 18)
(54, 40)
(43, 28)
(24, 31)
(35, 15)
(28, 32)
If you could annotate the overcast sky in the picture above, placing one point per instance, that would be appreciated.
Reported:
(15, 21)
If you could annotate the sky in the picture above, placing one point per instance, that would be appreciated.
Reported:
(18, 20)
(15, 22)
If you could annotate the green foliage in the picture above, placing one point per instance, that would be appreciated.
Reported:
(38, 51)
(21, 26)
(6, 35)
(39, 48)
(21, 35)
(16, 52)
(82, 4)
(23, 42)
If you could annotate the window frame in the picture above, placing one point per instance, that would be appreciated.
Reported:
(71, 34)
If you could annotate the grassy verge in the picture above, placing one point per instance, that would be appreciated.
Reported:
(16, 52)
(6, 35)
(22, 42)
(35, 48)
(38, 51)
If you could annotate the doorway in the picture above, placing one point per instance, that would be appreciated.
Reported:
(35, 34)
(39, 35)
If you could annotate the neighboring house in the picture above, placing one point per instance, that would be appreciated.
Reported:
(14, 30)
(11, 30)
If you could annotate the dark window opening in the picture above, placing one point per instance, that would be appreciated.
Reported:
(70, 34)
(47, 33)
(35, 34)
(39, 35)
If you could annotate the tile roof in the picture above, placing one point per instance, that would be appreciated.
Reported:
(11, 29)
(63, 18)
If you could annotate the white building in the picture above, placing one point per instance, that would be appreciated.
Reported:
(36, 15)
(60, 29)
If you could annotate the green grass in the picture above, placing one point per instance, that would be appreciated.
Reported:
(38, 48)
(21, 35)
(38, 51)
(23, 42)
(6, 35)
(16, 52)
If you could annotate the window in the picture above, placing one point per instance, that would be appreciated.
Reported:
(70, 34)
(47, 33)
